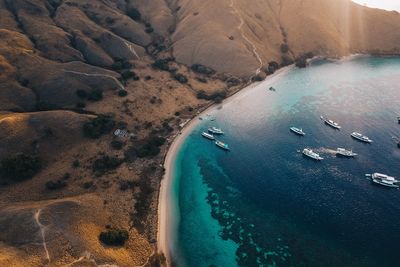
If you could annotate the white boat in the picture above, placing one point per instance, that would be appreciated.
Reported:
(383, 179)
(297, 131)
(345, 153)
(222, 145)
(311, 154)
(208, 136)
(331, 123)
(215, 130)
(361, 137)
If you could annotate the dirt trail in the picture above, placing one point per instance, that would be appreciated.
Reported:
(240, 28)
(42, 229)
(96, 75)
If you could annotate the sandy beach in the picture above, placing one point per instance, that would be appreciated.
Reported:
(164, 202)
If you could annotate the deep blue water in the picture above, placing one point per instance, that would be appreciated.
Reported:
(264, 204)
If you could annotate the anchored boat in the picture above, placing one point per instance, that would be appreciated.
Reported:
(331, 123)
(222, 145)
(345, 153)
(361, 137)
(297, 131)
(215, 130)
(208, 136)
(311, 154)
(384, 179)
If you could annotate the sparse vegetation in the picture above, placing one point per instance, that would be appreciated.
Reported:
(202, 69)
(106, 163)
(151, 147)
(55, 185)
(217, 97)
(114, 237)
(98, 126)
(116, 144)
(162, 64)
(20, 167)
(271, 68)
(301, 61)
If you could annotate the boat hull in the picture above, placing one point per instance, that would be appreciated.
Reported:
(297, 132)
(361, 140)
(384, 184)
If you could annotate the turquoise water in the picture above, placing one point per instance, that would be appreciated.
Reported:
(264, 204)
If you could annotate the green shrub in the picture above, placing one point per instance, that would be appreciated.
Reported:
(95, 95)
(122, 93)
(134, 14)
(80, 104)
(116, 144)
(20, 167)
(114, 237)
(127, 74)
(162, 64)
(98, 126)
(149, 29)
(284, 48)
(181, 78)
(216, 97)
(202, 69)
(76, 164)
(81, 93)
(151, 148)
(55, 185)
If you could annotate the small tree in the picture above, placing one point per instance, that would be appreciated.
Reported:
(114, 237)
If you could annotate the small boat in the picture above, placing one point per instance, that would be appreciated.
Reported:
(361, 137)
(331, 123)
(215, 130)
(297, 131)
(383, 179)
(345, 153)
(398, 144)
(208, 136)
(272, 89)
(311, 154)
(222, 145)
(398, 119)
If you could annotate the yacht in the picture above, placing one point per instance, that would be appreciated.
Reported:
(311, 154)
(383, 179)
(222, 145)
(361, 137)
(297, 131)
(208, 136)
(345, 153)
(331, 123)
(215, 130)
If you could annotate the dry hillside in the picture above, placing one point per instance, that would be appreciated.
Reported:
(74, 71)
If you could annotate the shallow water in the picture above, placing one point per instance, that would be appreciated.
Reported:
(264, 204)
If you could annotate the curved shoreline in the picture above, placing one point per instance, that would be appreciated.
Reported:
(164, 201)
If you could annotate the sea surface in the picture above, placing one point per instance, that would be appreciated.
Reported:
(264, 204)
